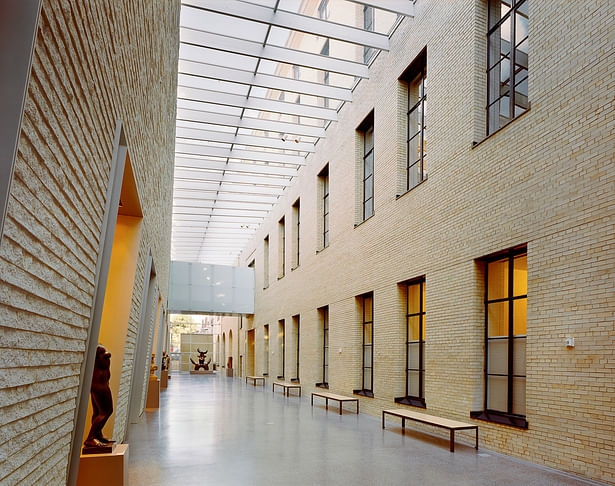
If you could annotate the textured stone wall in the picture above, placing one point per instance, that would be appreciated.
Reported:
(94, 63)
(546, 180)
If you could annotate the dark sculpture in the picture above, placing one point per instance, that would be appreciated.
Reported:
(102, 403)
(201, 364)
(165, 361)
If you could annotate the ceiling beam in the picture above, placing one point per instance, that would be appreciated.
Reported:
(202, 39)
(248, 140)
(292, 21)
(253, 103)
(270, 81)
(249, 123)
(260, 156)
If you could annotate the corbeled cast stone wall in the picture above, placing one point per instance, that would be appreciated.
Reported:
(546, 180)
(94, 63)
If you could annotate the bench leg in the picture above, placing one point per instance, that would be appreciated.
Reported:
(340, 407)
(383, 419)
(476, 447)
(312, 400)
(326, 404)
(403, 425)
(452, 440)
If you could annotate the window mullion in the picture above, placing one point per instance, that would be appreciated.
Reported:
(510, 332)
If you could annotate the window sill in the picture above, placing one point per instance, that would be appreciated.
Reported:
(294, 380)
(265, 374)
(280, 377)
(292, 269)
(476, 144)
(322, 385)
(412, 401)
(502, 418)
(266, 287)
(398, 196)
(356, 225)
(364, 393)
(280, 277)
(322, 249)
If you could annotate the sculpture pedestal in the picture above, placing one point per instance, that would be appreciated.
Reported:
(153, 394)
(229, 372)
(164, 378)
(201, 372)
(104, 469)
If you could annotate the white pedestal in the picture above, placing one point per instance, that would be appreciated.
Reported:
(104, 469)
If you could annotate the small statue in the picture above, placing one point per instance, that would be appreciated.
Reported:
(165, 361)
(153, 368)
(102, 402)
(201, 364)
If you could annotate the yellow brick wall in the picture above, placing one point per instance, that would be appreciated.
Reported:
(94, 63)
(547, 180)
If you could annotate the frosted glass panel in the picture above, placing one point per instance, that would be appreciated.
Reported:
(367, 306)
(413, 356)
(519, 356)
(498, 356)
(414, 296)
(367, 379)
(497, 319)
(413, 328)
(367, 337)
(520, 275)
(520, 317)
(498, 393)
(413, 383)
(367, 356)
(519, 396)
(498, 279)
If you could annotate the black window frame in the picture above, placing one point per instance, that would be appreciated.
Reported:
(417, 401)
(324, 313)
(282, 240)
(416, 70)
(498, 416)
(297, 320)
(368, 153)
(368, 25)
(266, 349)
(367, 392)
(282, 326)
(510, 85)
(297, 214)
(324, 180)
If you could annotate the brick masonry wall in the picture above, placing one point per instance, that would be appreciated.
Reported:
(546, 180)
(94, 63)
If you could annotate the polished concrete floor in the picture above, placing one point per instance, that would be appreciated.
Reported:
(218, 431)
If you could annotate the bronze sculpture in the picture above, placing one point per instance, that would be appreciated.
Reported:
(201, 363)
(102, 403)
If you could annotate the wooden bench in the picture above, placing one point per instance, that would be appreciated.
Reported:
(451, 425)
(255, 379)
(332, 396)
(287, 386)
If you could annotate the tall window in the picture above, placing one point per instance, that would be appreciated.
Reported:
(415, 344)
(323, 9)
(282, 340)
(266, 262)
(297, 235)
(297, 326)
(323, 180)
(416, 141)
(505, 335)
(282, 247)
(366, 132)
(324, 317)
(368, 24)
(266, 347)
(507, 62)
(367, 324)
